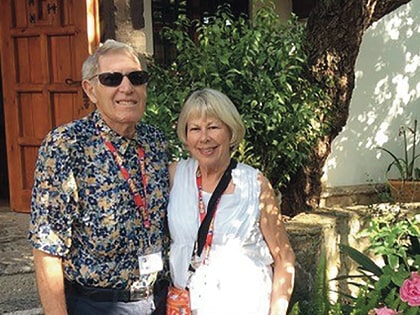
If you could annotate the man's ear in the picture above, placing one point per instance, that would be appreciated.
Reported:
(89, 89)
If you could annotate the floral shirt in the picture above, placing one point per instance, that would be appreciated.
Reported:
(82, 208)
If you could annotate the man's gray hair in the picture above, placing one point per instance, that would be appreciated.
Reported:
(91, 64)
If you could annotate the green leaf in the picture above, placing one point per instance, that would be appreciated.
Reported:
(383, 282)
(393, 261)
(364, 261)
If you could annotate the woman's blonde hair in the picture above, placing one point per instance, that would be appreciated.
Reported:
(211, 103)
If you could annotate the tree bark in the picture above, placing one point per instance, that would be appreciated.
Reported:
(335, 30)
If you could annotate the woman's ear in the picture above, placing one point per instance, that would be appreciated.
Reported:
(89, 89)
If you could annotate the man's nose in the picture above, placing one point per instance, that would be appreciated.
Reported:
(125, 84)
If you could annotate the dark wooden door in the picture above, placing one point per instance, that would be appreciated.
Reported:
(43, 46)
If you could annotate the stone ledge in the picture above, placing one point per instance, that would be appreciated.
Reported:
(343, 196)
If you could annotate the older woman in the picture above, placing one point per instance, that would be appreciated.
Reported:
(247, 265)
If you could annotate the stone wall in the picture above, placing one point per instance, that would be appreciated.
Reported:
(354, 195)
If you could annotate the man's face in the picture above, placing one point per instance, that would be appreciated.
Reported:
(121, 106)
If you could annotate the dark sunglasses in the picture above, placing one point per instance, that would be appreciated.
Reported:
(114, 79)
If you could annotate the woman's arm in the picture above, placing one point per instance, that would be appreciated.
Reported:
(275, 235)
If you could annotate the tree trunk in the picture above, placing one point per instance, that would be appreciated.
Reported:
(335, 30)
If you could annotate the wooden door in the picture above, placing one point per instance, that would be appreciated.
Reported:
(43, 46)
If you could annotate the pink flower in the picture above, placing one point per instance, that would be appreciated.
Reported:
(385, 311)
(410, 290)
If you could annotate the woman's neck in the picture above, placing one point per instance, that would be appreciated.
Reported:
(210, 176)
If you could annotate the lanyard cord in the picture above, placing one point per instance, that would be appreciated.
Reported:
(140, 202)
(202, 211)
(207, 219)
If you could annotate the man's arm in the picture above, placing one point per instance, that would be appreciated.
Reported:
(50, 283)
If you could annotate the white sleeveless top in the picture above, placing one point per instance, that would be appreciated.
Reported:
(238, 268)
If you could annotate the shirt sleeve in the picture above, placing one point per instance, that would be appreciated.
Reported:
(54, 197)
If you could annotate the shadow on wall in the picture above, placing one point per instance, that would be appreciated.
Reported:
(386, 96)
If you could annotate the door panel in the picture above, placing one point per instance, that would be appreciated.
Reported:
(43, 46)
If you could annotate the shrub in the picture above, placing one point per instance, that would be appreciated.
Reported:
(262, 66)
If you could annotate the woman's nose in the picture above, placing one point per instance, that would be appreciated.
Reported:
(204, 136)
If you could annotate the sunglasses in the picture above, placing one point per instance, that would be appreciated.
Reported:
(114, 79)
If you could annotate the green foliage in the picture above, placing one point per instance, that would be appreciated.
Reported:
(406, 164)
(366, 264)
(295, 309)
(394, 236)
(262, 66)
(321, 304)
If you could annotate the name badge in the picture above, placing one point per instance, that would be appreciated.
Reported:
(150, 263)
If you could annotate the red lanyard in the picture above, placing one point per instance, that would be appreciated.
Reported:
(202, 211)
(140, 202)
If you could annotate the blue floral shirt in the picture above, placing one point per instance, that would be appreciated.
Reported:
(82, 208)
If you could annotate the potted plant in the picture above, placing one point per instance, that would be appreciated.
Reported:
(405, 188)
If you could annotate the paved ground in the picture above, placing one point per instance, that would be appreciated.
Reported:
(18, 295)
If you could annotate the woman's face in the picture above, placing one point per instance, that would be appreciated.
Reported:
(208, 140)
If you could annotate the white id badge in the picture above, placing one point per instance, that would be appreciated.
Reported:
(150, 263)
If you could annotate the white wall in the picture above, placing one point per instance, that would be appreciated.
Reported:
(386, 96)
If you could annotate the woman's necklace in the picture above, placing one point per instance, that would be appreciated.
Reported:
(202, 212)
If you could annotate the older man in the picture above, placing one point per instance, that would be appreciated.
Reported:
(100, 196)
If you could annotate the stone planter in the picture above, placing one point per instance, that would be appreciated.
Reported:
(405, 191)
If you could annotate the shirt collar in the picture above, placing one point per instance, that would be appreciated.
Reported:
(119, 142)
